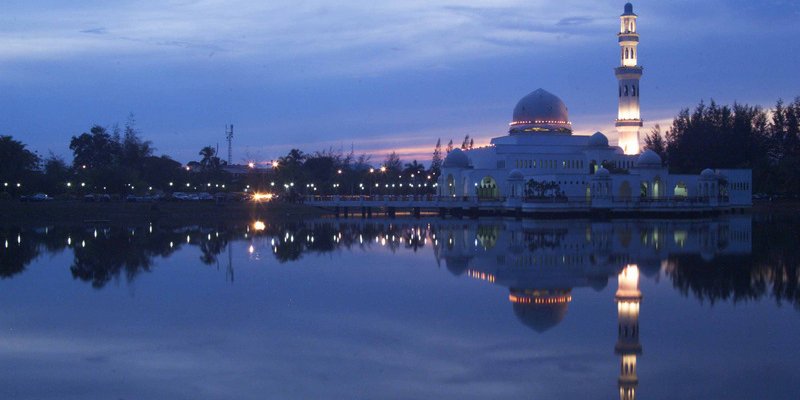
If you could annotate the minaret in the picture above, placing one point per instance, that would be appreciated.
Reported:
(628, 74)
(628, 347)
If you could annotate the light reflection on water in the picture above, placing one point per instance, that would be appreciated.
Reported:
(363, 308)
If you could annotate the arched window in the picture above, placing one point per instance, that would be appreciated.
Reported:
(620, 91)
(487, 188)
(626, 53)
(680, 190)
(626, 90)
(633, 90)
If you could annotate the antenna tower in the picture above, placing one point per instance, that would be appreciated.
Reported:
(229, 137)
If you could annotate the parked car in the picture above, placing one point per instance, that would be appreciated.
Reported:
(205, 196)
(97, 197)
(36, 197)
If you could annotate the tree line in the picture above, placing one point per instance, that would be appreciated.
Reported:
(117, 160)
(737, 136)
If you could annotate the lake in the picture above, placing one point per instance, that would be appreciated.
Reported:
(404, 308)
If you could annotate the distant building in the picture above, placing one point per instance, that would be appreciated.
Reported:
(541, 158)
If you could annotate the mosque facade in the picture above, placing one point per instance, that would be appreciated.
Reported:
(542, 161)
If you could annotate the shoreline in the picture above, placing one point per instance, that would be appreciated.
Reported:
(74, 212)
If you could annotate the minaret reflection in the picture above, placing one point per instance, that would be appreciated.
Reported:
(628, 297)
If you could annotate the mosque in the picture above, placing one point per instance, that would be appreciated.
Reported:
(542, 161)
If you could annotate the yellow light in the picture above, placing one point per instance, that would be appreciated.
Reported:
(274, 164)
(262, 196)
(259, 225)
(251, 164)
(383, 169)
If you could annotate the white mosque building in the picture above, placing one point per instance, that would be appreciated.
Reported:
(541, 160)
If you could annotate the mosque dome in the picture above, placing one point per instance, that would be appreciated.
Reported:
(598, 140)
(516, 175)
(628, 9)
(707, 174)
(540, 312)
(648, 159)
(456, 159)
(540, 111)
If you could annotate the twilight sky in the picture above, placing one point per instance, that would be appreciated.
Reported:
(377, 76)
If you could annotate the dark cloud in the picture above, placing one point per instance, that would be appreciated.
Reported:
(96, 31)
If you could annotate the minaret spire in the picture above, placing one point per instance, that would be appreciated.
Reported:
(628, 74)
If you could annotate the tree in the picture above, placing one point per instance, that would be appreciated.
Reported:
(449, 146)
(210, 161)
(134, 149)
(465, 143)
(393, 163)
(655, 141)
(16, 162)
(96, 149)
(436, 160)
(56, 173)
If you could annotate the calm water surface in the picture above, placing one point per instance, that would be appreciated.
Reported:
(404, 309)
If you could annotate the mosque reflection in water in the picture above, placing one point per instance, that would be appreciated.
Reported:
(540, 262)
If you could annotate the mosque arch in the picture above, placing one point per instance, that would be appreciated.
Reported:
(680, 190)
(656, 187)
(451, 185)
(487, 188)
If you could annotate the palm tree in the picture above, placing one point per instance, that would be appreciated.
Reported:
(209, 160)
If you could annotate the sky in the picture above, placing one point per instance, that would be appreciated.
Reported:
(373, 77)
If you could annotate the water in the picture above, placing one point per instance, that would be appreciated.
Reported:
(400, 309)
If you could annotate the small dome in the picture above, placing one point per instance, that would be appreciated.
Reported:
(598, 140)
(540, 111)
(707, 174)
(648, 159)
(602, 172)
(628, 9)
(516, 175)
(456, 159)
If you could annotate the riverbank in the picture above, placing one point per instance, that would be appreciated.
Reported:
(60, 212)
(73, 212)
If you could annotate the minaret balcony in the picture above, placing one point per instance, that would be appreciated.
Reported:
(628, 122)
(628, 37)
(634, 72)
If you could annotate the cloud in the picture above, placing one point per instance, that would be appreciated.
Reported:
(95, 31)
(350, 38)
(573, 21)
